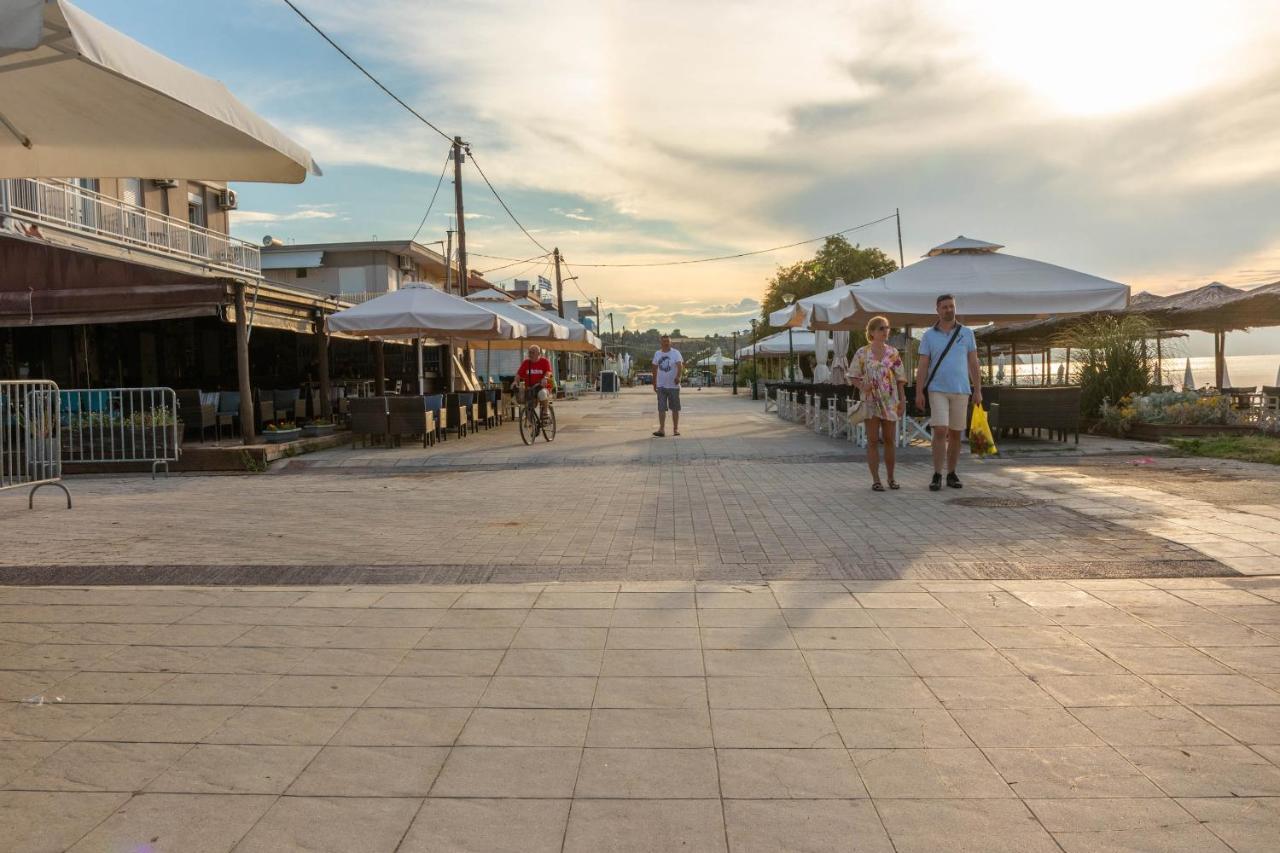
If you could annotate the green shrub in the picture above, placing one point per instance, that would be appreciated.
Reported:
(1113, 360)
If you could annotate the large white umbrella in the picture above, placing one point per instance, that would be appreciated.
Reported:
(840, 363)
(1188, 379)
(988, 287)
(418, 310)
(1226, 377)
(79, 98)
(822, 345)
(777, 345)
(548, 331)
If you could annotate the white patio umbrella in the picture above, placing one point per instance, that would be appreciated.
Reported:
(418, 311)
(80, 98)
(547, 330)
(988, 287)
(1188, 379)
(1278, 376)
(840, 362)
(822, 345)
(1226, 377)
(776, 345)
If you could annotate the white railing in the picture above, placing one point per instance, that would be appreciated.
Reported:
(30, 450)
(65, 206)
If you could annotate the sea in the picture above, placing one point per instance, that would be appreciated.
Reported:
(1243, 371)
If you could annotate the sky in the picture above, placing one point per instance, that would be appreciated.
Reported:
(1135, 140)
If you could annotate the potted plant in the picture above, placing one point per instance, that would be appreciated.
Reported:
(280, 432)
(318, 427)
(147, 432)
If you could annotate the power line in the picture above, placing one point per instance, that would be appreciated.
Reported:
(363, 71)
(476, 163)
(433, 201)
(514, 261)
(574, 279)
(747, 254)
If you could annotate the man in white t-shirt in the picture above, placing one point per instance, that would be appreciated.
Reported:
(668, 367)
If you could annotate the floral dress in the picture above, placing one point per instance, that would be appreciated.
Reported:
(884, 374)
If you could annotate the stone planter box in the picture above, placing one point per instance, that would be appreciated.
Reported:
(281, 436)
(1159, 432)
(317, 430)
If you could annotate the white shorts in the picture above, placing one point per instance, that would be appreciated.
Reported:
(948, 410)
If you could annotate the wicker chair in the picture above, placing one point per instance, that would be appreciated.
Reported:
(369, 419)
(410, 415)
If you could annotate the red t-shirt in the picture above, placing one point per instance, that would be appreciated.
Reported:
(533, 373)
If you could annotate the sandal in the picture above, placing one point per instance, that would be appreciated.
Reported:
(893, 484)
(877, 487)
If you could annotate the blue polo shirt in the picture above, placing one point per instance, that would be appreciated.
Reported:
(953, 372)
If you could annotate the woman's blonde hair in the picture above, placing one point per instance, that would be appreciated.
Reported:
(875, 321)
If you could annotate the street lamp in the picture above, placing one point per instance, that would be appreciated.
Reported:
(789, 299)
(755, 365)
(735, 362)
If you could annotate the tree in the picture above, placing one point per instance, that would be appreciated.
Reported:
(1114, 360)
(838, 258)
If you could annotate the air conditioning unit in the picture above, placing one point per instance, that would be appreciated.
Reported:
(227, 200)
(165, 183)
(406, 263)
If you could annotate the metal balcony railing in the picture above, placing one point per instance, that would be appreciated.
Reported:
(71, 208)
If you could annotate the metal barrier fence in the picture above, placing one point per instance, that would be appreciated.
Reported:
(102, 425)
(30, 450)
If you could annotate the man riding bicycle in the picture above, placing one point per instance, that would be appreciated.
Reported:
(536, 377)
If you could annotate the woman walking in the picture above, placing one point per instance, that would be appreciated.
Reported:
(878, 372)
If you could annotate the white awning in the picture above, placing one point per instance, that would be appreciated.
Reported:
(80, 98)
(291, 260)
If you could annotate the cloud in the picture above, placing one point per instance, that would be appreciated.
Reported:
(1147, 150)
(304, 212)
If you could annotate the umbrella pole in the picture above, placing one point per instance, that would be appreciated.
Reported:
(488, 362)
(422, 386)
(1013, 363)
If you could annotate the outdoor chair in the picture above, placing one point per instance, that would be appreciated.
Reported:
(228, 412)
(1055, 410)
(284, 403)
(196, 415)
(458, 413)
(1271, 398)
(369, 419)
(409, 415)
(265, 412)
(483, 412)
(434, 403)
(1241, 398)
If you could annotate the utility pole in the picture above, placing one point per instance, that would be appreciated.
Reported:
(902, 261)
(458, 156)
(448, 261)
(559, 284)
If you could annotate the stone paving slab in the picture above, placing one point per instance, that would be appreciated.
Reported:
(925, 715)
(741, 496)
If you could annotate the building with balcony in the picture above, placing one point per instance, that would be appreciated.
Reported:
(132, 282)
(352, 271)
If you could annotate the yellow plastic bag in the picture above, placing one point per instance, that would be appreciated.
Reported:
(981, 441)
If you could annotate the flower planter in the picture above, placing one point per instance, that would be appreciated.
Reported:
(281, 436)
(1159, 432)
(315, 430)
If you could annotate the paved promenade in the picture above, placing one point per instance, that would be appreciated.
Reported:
(724, 641)
(741, 496)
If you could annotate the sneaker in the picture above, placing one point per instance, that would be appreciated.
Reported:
(953, 482)
(935, 484)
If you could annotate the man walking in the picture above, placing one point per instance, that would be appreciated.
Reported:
(668, 367)
(950, 374)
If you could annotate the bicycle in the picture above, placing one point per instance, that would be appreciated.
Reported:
(532, 424)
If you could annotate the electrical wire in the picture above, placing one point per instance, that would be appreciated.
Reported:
(432, 203)
(363, 71)
(514, 261)
(476, 163)
(745, 254)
